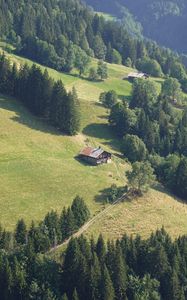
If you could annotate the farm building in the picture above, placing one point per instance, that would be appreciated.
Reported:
(95, 156)
(135, 75)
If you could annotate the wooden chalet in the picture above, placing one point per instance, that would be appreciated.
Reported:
(95, 156)
(135, 75)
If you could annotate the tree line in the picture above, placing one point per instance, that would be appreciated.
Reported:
(129, 268)
(151, 128)
(65, 34)
(53, 230)
(41, 95)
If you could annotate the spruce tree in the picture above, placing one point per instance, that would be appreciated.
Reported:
(8, 281)
(71, 272)
(64, 297)
(58, 109)
(120, 275)
(80, 211)
(106, 287)
(75, 295)
(94, 279)
(181, 178)
(73, 113)
(101, 249)
(20, 232)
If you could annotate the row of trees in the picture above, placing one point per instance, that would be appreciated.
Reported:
(130, 268)
(41, 95)
(53, 230)
(65, 34)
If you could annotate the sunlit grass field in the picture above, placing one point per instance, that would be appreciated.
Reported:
(142, 216)
(39, 170)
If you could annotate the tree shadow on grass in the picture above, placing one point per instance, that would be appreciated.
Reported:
(104, 195)
(24, 117)
(83, 162)
(97, 130)
(103, 132)
(162, 189)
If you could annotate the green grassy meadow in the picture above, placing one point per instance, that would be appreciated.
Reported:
(142, 216)
(39, 170)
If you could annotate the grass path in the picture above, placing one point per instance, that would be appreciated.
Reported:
(85, 227)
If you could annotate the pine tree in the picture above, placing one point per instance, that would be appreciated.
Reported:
(73, 113)
(51, 221)
(7, 281)
(47, 85)
(58, 109)
(101, 249)
(64, 297)
(120, 275)
(106, 288)
(94, 279)
(20, 232)
(75, 295)
(19, 279)
(71, 222)
(71, 272)
(80, 211)
(181, 178)
(102, 70)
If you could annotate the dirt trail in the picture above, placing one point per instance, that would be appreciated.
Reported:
(88, 224)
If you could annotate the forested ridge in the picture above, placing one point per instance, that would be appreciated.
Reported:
(64, 34)
(161, 20)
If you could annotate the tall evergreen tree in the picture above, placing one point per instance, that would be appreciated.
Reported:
(72, 114)
(107, 289)
(21, 232)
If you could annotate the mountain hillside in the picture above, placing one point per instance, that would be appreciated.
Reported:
(161, 20)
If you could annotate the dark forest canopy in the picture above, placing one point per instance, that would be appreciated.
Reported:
(62, 33)
(130, 268)
(162, 20)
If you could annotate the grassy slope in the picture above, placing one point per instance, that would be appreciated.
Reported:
(38, 170)
(143, 216)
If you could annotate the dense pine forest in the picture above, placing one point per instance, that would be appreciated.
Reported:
(130, 268)
(160, 20)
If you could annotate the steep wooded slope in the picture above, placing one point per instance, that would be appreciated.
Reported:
(161, 20)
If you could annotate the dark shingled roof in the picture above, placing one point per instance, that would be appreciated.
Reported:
(92, 152)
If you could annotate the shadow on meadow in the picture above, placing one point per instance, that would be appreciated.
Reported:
(103, 132)
(109, 195)
(24, 117)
